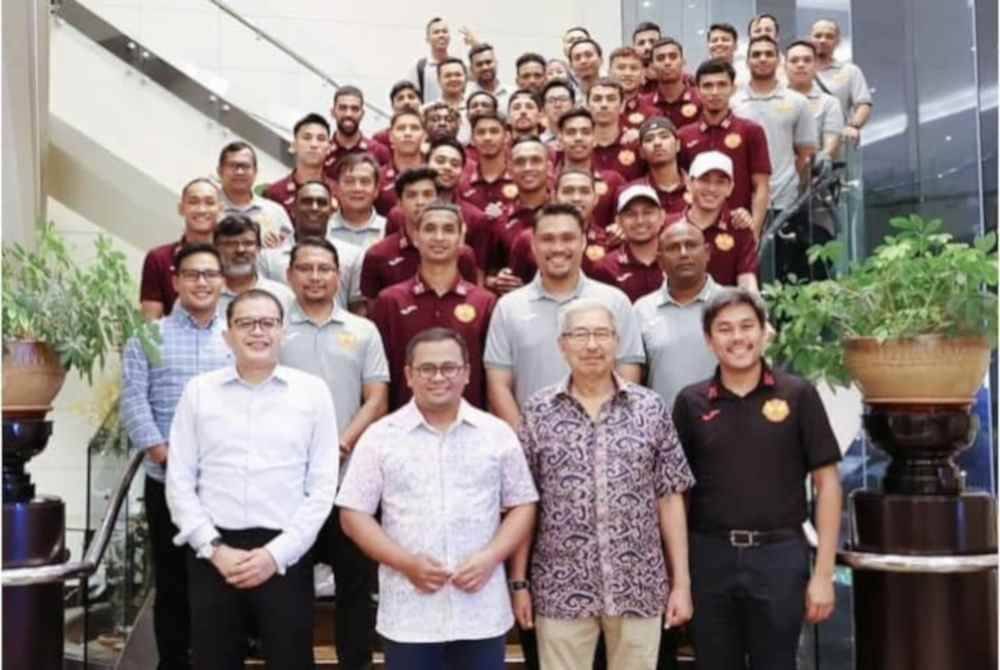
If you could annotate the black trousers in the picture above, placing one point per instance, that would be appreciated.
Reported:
(171, 613)
(281, 610)
(792, 243)
(354, 574)
(749, 603)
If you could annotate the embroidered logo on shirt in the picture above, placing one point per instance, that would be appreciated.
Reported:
(626, 157)
(636, 118)
(629, 136)
(621, 279)
(601, 188)
(465, 312)
(689, 110)
(691, 143)
(733, 140)
(710, 415)
(408, 309)
(724, 241)
(493, 210)
(347, 341)
(395, 261)
(775, 410)
(509, 191)
(290, 186)
(595, 252)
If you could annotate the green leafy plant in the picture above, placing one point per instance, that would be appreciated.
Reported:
(84, 313)
(917, 282)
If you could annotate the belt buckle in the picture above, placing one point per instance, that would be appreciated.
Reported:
(742, 539)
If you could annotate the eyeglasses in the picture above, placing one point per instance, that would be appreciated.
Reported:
(267, 324)
(579, 337)
(237, 244)
(194, 275)
(429, 371)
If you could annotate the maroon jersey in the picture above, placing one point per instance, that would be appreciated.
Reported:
(522, 256)
(607, 184)
(478, 229)
(382, 137)
(284, 191)
(157, 283)
(622, 269)
(492, 197)
(621, 157)
(732, 250)
(741, 139)
(378, 152)
(685, 110)
(394, 259)
(673, 201)
(635, 111)
(407, 308)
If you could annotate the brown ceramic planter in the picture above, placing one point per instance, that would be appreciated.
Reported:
(929, 369)
(32, 377)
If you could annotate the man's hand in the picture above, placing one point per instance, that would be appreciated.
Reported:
(679, 607)
(852, 134)
(226, 559)
(615, 234)
(158, 454)
(272, 239)
(256, 568)
(426, 574)
(741, 217)
(473, 574)
(819, 599)
(468, 36)
(345, 449)
(506, 281)
(521, 604)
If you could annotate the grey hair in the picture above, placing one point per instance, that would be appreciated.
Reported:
(584, 305)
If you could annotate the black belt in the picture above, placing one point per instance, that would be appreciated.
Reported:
(744, 539)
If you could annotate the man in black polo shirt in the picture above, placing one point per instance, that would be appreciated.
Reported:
(751, 435)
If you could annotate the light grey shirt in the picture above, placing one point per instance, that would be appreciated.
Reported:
(275, 288)
(339, 231)
(269, 215)
(524, 333)
(273, 266)
(676, 352)
(826, 113)
(253, 456)
(846, 82)
(345, 351)
(432, 90)
(788, 123)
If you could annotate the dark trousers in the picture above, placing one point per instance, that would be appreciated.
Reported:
(171, 614)
(749, 603)
(485, 654)
(281, 610)
(791, 244)
(354, 574)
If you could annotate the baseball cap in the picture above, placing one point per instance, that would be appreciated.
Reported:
(636, 191)
(656, 123)
(711, 160)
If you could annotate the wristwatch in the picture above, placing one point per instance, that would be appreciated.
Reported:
(519, 584)
(207, 550)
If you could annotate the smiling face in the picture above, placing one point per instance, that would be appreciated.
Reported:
(484, 68)
(577, 138)
(558, 245)
(348, 110)
(452, 79)
(529, 163)
(311, 145)
(438, 237)
(198, 283)
(314, 276)
(589, 343)
(641, 220)
(721, 45)
(448, 163)
(357, 188)
(710, 191)
(762, 60)
(437, 375)
(255, 332)
(200, 207)
(628, 71)
(313, 209)
(736, 338)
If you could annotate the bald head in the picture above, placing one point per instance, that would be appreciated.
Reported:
(683, 255)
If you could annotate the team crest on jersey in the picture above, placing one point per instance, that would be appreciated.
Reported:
(595, 252)
(724, 241)
(509, 191)
(626, 157)
(347, 340)
(775, 410)
(636, 118)
(601, 188)
(733, 140)
(689, 110)
(465, 312)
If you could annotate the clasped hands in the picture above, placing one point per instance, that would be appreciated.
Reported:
(244, 569)
(429, 575)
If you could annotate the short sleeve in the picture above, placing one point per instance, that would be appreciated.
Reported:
(805, 127)
(681, 418)
(376, 367)
(671, 472)
(860, 93)
(368, 284)
(833, 117)
(630, 349)
(467, 266)
(757, 150)
(526, 437)
(151, 287)
(516, 485)
(362, 486)
(747, 262)
(498, 348)
(815, 433)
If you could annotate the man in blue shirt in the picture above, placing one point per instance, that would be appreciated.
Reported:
(192, 344)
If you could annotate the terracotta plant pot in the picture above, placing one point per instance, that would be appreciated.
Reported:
(929, 369)
(32, 377)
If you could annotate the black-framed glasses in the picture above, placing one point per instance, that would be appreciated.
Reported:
(579, 337)
(194, 275)
(428, 371)
(266, 324)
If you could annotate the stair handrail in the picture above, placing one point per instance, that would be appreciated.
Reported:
(92, 558)
(288, 51)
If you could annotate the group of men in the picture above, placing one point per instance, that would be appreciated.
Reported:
(510, 350)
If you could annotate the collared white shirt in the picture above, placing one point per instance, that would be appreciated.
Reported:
(253, 456)
(339, 231)
(273, 267)
(441, 495)
(269, 215)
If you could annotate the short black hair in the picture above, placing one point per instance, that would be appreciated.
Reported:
(408, 111)
(311, 119)
(481, 92)
(607, 82)
(530, 57)
(573, 172)
(575, 113)
(236, 224)
(666, 42)
(727, 297)
(559, 82)
(478, 49)
(442, 206)
(404, 85)
(436, 334)
(715, 66)
(348, 90)
(199, 180)
(559, 209)
(724, 27)
(236, 147)
(314, 182)
(192, 249)
(523, 93)
(351, 160)
(759, 17)
(412, 176)
(802, 43)
(447, 142)
(453, 61)
(316, 243)
(580, 28)
(250, 295)
(645, 26)
(430, 23)
(763, 38)
(487, 116)
(585, 40)
(526, 139)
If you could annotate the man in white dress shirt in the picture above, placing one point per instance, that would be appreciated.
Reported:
(253, 471)
(443, 472)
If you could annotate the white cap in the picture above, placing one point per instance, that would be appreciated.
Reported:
(707, 161)
(636, 191)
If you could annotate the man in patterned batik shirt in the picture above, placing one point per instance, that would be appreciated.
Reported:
(610, 474)
(443, 473)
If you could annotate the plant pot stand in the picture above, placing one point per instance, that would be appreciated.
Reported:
(923, 550)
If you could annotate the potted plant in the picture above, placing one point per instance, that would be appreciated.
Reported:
(912, 323)
(58, 315)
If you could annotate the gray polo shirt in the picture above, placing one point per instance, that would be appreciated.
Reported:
(365, 236)
(277, 289)
(676, 352)
(345, 351)
(846, 82)
(269, 215)
(788, 123)
(826, 113)
(524, 333)
(273, 264)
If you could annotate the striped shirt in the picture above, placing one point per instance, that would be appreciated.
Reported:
(150, 393)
